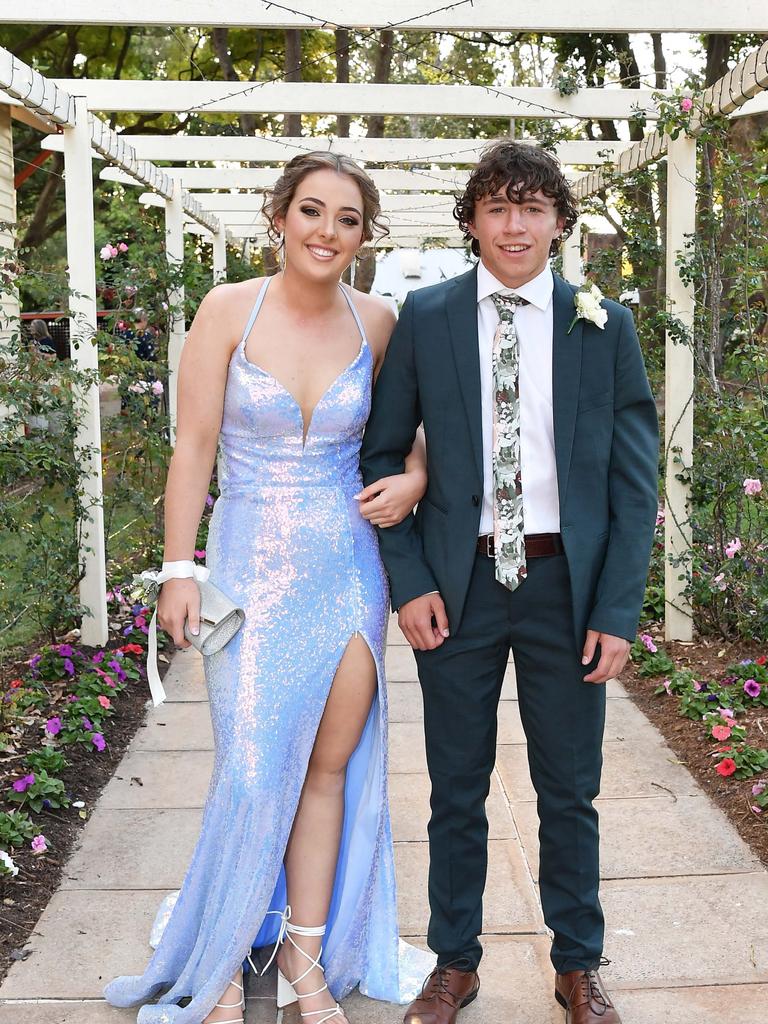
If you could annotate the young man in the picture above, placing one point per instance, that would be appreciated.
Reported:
(534, 535)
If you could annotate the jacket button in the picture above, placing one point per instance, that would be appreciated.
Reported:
(475, 500)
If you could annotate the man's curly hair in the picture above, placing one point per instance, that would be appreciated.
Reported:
(520, 170)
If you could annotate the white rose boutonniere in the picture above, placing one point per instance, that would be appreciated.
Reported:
(587, 303)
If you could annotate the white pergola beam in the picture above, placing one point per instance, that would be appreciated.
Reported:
(174, 97)
(416, 15)
(78, 187)
(742, 84)
(222, 202)
(259, 179)
(45, 97)
(678, 392)
(271, 150)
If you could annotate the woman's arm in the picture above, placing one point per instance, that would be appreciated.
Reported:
(389, 500)
(202, 380)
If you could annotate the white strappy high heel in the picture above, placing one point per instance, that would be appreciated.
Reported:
(239, 1005)
(286, 991)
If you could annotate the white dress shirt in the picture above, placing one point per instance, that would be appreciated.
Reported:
(541, 509)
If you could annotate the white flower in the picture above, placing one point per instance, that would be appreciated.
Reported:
(7, 867)
(78, 803)
(106, 252)
(587, 303)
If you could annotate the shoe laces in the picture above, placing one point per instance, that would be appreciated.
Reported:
(591, 991)
(438, 981)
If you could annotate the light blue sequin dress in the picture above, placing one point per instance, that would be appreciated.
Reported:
(288, 543)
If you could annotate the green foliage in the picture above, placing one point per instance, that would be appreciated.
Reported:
(47, 759)
(16, 828)
(46, 789)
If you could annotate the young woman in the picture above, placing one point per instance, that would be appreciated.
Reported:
(296, 846)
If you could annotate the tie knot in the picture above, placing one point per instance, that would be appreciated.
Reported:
(506, 304)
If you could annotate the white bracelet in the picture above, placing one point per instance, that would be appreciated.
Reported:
(181, 570)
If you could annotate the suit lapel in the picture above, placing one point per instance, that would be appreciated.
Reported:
(566, 378)
(461, 309)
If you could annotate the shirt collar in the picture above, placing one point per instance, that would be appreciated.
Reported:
(537, 291)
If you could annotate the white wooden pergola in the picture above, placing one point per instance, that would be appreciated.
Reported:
(417, 177)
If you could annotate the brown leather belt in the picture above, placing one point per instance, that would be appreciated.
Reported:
(537, 545)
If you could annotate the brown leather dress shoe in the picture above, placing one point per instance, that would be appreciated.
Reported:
(444, 993)
(585, 999)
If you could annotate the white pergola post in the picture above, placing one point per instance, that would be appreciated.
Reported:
(572, 271)
(78, 184)
(219, 256)
(174, 250)
(679, 391)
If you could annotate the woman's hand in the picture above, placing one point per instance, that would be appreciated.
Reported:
(179, 601)
(389, 500)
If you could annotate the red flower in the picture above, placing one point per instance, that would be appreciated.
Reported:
(16, 683)
(762, 659)
(726, 767)
(131, 649)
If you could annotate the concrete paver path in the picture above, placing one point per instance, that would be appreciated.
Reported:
(685, 900)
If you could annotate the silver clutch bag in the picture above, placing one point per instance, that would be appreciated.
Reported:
(220, 619)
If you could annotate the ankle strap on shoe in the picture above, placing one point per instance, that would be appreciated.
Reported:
(298, 929)
(285, 917)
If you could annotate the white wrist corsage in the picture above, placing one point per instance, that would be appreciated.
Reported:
(587, 302)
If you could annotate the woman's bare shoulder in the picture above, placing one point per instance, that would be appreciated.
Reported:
(378, 319)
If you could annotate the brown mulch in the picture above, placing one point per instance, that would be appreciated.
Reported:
(25, 897)
(708, 659)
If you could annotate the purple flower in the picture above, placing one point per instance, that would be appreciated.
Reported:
(712, 697)
(69, 668)
(35, 660)
(729, 680)
(752, 687)
(758, 788)
(115, 665)
(209, 501)
(128, 630)
(72, 698)
(53, 726)
(98, 741)
(746, 661)
(87, 724)
(98, 658)
(22, 784)
(66, 650)
(137, 609)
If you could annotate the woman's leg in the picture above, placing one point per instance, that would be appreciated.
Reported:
(313, 848)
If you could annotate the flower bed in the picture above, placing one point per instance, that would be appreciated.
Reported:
(710, 701)
(66, 717)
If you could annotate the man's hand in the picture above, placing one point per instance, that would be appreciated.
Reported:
(614, 651)
(415, 619)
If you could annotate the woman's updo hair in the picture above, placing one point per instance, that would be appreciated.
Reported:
(278, 199)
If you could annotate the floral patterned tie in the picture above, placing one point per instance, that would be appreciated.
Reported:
(508, 526)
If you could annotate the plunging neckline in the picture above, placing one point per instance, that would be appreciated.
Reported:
(306, 425)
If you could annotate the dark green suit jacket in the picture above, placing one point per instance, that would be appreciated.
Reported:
(606, 451)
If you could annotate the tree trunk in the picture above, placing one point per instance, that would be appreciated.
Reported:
(381, 77)
(292, 122)
(220, 42)
(659, 61)
(365, 269)
(342, 75)
(39, 229)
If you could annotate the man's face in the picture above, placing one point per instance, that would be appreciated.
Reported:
(514, 237)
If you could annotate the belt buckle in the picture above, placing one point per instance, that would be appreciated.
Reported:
(491, 546)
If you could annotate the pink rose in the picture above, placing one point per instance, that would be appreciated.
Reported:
(752, 486)
(686, 104)
(732, 548)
